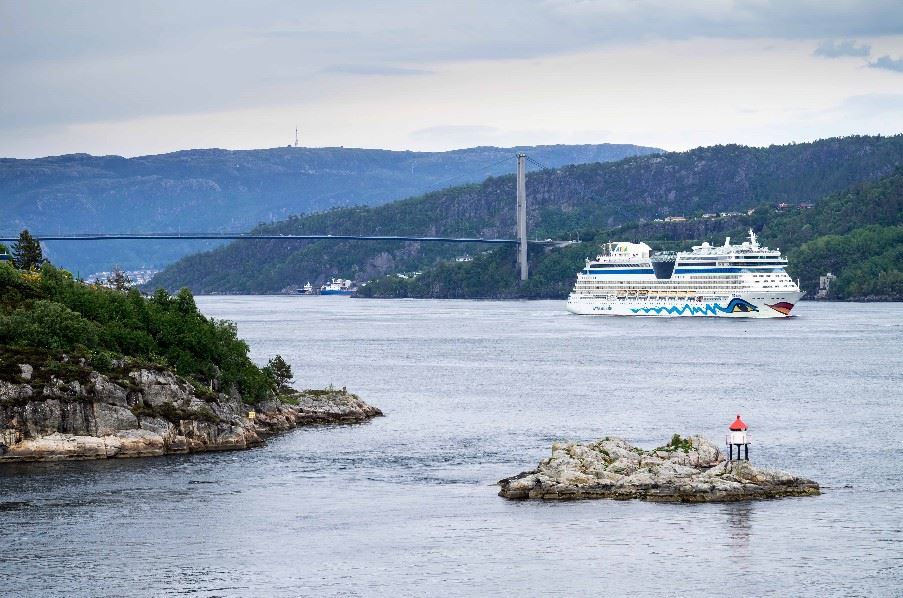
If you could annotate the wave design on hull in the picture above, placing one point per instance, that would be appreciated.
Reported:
(735, 306)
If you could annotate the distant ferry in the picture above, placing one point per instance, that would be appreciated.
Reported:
(337, 286)
(743, 280)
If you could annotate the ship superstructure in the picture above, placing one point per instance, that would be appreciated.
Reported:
(745, 280)
(338, 286)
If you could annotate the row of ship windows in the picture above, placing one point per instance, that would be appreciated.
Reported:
(731, 257)
(688, 265)
(690, 290)
(613, 284)
(640, 285)
(676, 285)
(684, 290)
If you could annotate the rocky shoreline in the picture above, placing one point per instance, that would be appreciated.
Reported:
(686, 470)
(145, 412)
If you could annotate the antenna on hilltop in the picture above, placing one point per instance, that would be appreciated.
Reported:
(296, 136)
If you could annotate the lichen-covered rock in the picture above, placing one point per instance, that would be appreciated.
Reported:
(148, 413)
(686, 470)
(110, 419)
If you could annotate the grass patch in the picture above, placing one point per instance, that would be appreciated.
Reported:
(677, 444)
(288, 399)
(321, 392)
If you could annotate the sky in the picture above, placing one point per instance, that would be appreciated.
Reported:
(153, 76)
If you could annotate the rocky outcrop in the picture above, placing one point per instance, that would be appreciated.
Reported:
(146, 412)
(686, 470)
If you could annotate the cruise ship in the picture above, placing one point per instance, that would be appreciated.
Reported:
(745, 280)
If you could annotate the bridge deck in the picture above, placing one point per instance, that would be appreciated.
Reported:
(218, 236)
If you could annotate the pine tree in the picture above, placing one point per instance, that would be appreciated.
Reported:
(27, 252)
(279, 371)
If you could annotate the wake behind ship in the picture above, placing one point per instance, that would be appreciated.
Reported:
(744, 280)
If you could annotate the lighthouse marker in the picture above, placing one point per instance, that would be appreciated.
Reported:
(738, 437)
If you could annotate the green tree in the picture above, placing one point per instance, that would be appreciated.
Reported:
(27, 252)
(279, 371)
(47, 325)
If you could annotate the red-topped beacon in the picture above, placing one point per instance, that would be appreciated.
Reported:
(738, 437)
(739, 425)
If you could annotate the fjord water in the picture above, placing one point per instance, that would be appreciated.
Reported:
(473, 392)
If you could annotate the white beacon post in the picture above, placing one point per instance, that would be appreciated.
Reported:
(739, 437)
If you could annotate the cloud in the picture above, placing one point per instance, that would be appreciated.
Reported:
(887, 63)
(848, 47)
(68, 64)
(375, 69)
(872, 105)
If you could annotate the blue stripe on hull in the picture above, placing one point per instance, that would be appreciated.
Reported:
(709, 309)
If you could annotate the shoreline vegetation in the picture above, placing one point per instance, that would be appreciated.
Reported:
(90, 372)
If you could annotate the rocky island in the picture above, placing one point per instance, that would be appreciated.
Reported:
(685, 470)
(90, 371)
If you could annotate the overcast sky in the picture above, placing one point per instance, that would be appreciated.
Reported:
(139, 77)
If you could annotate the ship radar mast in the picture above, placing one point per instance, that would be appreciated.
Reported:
(753, 241)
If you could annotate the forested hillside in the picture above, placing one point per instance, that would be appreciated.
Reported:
(563, 203)
(856, 234)
(218, 190)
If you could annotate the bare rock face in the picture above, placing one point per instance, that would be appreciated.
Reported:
(148, 413)
(687, 470)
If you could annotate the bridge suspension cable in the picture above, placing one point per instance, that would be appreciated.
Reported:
(537, 163)
(250, 237)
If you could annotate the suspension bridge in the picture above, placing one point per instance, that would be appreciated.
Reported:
(520, 240)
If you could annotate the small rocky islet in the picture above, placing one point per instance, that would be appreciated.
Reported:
(688, 470)
(143, 412)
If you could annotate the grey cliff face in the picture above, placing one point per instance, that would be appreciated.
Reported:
(693, 470)
(148, 413)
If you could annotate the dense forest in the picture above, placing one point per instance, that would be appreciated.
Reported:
(856, 234)
(67, 328)
(216, 190)
(563, 203)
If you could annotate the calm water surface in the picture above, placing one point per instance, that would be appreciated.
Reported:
(473, 392)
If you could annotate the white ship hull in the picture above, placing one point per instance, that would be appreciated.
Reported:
(755, 304)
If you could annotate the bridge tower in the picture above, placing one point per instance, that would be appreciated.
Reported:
(522, 215)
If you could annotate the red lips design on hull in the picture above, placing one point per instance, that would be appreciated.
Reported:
(782, 307)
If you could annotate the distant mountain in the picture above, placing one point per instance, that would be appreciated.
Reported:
(220, 190)
(562, 203)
